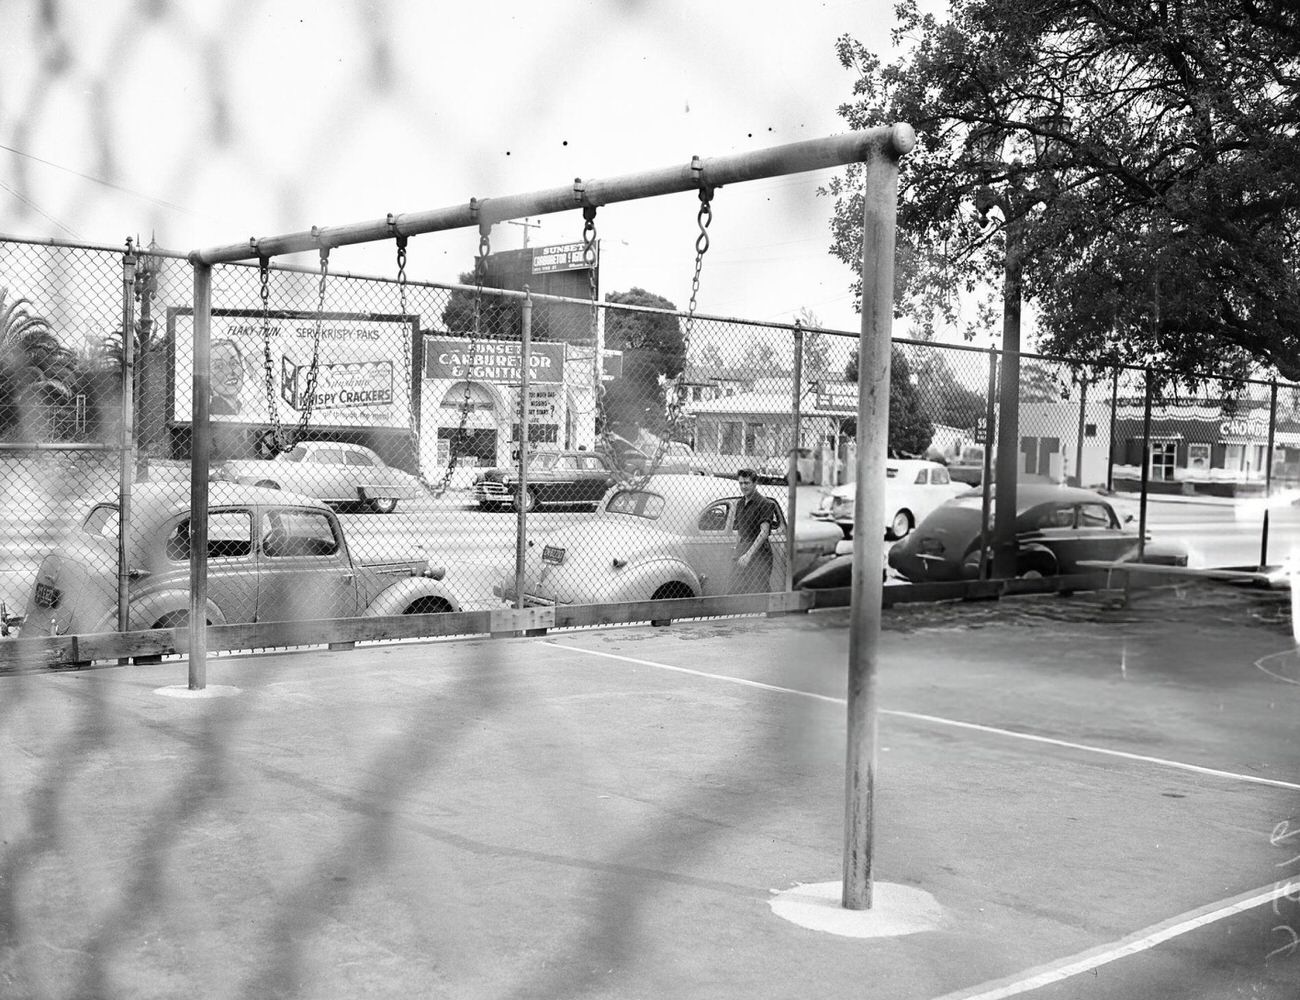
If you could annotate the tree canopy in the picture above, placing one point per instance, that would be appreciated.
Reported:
(910, 427)
(653, 350)
(1148, 147)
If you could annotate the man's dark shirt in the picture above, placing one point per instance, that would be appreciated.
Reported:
(752, 514)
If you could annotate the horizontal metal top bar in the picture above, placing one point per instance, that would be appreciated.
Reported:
(714, 172)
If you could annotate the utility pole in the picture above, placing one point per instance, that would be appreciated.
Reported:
(526, 226)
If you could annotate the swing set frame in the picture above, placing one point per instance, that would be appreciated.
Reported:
(880, 149)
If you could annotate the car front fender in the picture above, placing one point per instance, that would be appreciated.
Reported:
(394, 600)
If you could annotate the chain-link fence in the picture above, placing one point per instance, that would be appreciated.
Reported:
(379, 447)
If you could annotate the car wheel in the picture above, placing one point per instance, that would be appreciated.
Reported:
(382, 505)
(427, 606)
(528, 500)
(670, 591)
(901, 525)
(269, 484)
(1034, 569)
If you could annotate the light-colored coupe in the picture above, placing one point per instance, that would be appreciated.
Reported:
(674, 537)
(913, 488)
(333, 471)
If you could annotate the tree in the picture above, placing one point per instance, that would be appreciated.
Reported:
(1148, 149)
(910, 429)
(36, 370)
(816, 352)
(949, 401)
(653, 350)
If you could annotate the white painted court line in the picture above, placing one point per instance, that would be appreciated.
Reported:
(1142, 940)
(939, 720)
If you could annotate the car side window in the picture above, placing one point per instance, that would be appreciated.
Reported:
(358, 458)
(230, 536)
(1057, 517)
(922, 477)
(1095, 515)
(298, 533)
(714, 517)
(566, 464)
(327, 456)
(939, 477)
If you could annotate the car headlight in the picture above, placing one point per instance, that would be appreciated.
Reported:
(434, 571)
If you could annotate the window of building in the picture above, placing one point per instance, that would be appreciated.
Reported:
(1090, 430)
(753, 438)
(730, 443)
(1164, 457)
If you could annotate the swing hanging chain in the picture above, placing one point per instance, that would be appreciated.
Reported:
(271, 439)
(407, 362)
(480, 274)
(309, 391)
(598, 383)
(676, 393)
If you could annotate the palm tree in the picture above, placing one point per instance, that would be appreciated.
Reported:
(36, 370)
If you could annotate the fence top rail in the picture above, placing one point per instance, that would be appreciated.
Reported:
(699, 174)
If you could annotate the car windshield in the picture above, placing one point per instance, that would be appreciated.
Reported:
(638, 503)
(294, 454)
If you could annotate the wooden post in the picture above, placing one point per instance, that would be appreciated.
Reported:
(878, 224)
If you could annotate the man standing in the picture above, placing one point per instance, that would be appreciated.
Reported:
(756, 518)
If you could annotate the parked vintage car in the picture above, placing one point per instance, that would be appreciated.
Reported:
(555, 478)
(776, 470)
(913, 488)
(272, 556)
(333, 471)
(1056, 527)
(675, 457)
(673, 537)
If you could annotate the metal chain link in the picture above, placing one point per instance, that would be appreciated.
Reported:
(270, 440)
(315, 350)
(274, 440)
(673, 405)
(407, 361)
(480, 272)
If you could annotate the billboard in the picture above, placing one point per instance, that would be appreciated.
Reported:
(492, 360)
(363, 373)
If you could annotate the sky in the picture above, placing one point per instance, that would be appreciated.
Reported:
(205, 122)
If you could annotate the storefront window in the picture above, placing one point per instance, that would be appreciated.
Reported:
(1164, 455)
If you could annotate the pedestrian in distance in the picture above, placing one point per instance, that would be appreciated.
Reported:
(756, 518)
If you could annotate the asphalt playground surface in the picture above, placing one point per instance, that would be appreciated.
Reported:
(1100, 801)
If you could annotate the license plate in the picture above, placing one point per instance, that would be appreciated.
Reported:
(552, 554)
(47, 596)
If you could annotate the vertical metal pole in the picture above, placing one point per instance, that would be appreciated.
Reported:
(1110, 444)
(879, 213)
(1268, 470)
(986, 475)
(200, 453)
(1004, 515)
(792, 468)
(126, 461)
(1146, 468)
(521, 527)
(1078, 443)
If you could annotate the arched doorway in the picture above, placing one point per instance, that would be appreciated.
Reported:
(472, 405)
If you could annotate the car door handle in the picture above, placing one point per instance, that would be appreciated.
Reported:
(349, 577)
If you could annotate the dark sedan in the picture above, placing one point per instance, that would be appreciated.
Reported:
(555, 478)
(1056, 528)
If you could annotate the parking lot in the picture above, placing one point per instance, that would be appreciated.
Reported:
(1101, 801)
